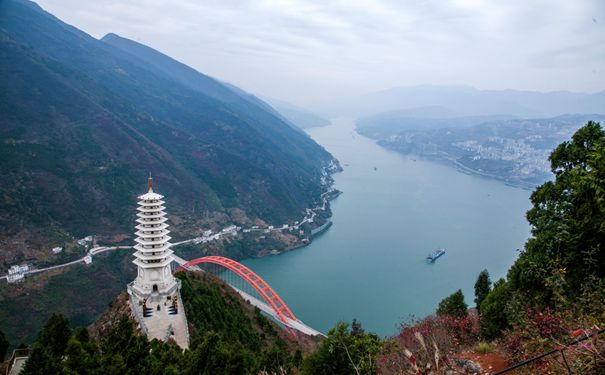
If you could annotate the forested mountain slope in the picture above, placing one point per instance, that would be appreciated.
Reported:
(83, 122)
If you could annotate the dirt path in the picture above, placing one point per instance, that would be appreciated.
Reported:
(489, 362)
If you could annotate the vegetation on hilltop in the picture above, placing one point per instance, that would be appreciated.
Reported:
(557, 285)
(228, 336)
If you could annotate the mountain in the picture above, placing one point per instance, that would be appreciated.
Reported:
(469, 101)
(197, 81)
(84, 121)
(300, 117)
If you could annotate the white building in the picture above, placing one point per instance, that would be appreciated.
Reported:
(17, 273)
(18, 269)
(230, 228)
(153, 255)
(57, 250)
(15, 278)
(155, 292)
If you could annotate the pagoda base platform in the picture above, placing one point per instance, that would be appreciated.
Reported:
(159, 319)
(154, 295)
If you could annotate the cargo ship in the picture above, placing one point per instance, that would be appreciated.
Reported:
(433, 257)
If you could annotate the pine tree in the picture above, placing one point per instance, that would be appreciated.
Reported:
(482, 287)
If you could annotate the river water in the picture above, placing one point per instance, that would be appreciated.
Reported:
(394, 211)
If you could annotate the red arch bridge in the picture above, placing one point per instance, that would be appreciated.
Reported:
(272, 305)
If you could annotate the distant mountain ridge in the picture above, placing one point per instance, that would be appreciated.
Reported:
(469, 101)
(83, 122)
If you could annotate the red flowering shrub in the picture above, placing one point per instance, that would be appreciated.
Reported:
(545, 322)
(541, 331)
(423, 346)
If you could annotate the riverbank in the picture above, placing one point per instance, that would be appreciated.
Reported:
(451, 162)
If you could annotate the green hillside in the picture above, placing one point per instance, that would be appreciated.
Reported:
(228, 336)
(82, 123)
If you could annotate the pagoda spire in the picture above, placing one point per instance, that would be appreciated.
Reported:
(150, 183)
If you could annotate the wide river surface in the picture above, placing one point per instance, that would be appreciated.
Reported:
(394, 210)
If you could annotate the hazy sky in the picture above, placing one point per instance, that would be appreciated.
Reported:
(309, 52)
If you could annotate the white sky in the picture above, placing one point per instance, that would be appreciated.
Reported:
(312, 52)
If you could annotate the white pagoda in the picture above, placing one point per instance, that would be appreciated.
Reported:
(155, 292)
(153, 255)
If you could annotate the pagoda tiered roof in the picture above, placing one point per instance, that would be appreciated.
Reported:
(152, 234)
(143, 241)
(150, 208)
(146, 220)
(145, 256)
(140, 227)
(150, 196)
(154, 214)
(141, 248)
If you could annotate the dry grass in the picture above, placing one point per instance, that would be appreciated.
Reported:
(484, 348)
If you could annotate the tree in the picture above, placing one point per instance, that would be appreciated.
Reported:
(482, 288)
(494, 316)
(55, 335)
(49, 347)
(42, 362)
(453, 305)
(3, 346)
(564, 260)
(344, 352)
(567, 222)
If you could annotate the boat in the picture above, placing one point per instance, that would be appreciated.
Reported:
(433, 257)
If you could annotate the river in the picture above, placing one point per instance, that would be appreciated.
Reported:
(394, 210)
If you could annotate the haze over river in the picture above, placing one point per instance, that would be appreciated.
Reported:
(393, 212)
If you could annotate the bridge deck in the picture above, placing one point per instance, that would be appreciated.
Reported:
(294, 324)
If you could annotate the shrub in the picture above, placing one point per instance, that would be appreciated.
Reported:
(427, 342)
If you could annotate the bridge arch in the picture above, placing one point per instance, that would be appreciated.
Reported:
(268, 294)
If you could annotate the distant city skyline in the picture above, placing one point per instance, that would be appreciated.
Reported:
(310, 53)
